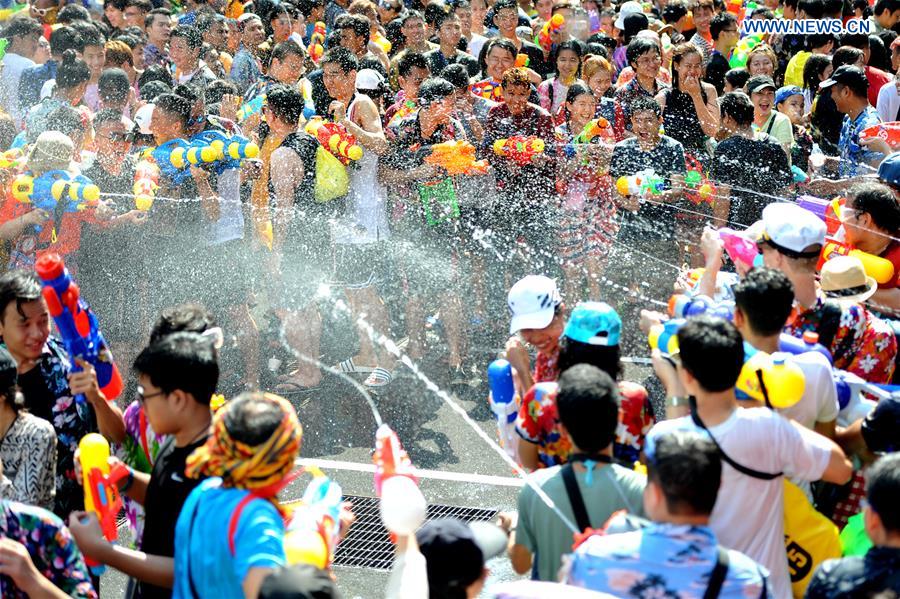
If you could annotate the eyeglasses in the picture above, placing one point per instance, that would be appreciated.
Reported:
(119, 137)
(648, 60)
(142, 397)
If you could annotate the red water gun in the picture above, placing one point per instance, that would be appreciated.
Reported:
(550, 28)
(101, 490)
(519, 149)
(402, 504)
(887, 132)
(316, 46)
(336, 139)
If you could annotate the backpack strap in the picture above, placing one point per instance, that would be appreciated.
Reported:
(235, 516)
(717, 576)
(575, 498)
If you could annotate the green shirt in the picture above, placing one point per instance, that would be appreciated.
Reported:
(543, 533)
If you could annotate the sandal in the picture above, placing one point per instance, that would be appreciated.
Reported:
(380, 377)
(350, 366)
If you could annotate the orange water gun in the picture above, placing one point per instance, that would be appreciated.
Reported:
(336, 139)
(522, 61)
(316, 46)
(457, 158)
(880, 269)
(550, 28)
(519, 149)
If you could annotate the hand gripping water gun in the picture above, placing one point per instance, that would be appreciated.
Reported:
(77, 325)
(827, 210)
(772, 379)
(457, 158)
(664, 337)
(880, 269)
(640, 184)
(11, 158)
(227, 150)
(742, 51)
(146, 182)
(336, 139)
(551, 27)
(170, 157)
(594, 128)
(402, 504)
(519, 149)
(313, 531)
(316, 46)
(101, 490)
(56, 192)
(739, 248)
(887, 132)
(705, 191)
(250, 108)
(504, 404)
(685, 306)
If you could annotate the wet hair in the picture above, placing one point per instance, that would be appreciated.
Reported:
(206, 21)
(343, 58)
(516, 76)
(595, 49)
(433, 11)
(193, 318)
(22, 27)
(113, 85)
(712, 351)
(606, 358)
(287, 48)
(846, 55)
(19, 286)
(409, 61)
(879, 56)
(578, 89)
(678, 54)
(738, 106)
(593, 65)
(766, 51)
(883, 490)
(358, 23)
(65, 38)
(72, 71)
(153, 89)
(107, 115)
(737, 78)
(720, 22)
(765, 297)
(155, 73)
(435, 89)
(285, 102)
(457, 75)
(250, 420)
(156, 12)
(877, 201)
(70, 13)
(813, 69)
(571, 46)
(67, 120)
(646, 104)
(185, 361)
(489, 46)
(638, 47)
(818, 40)
(176, 105)
(687, 468)
(814, 9)
(588, 406)
(442, 17)
(219, 88)
(190, 34)
(118, 53)
(306, 7)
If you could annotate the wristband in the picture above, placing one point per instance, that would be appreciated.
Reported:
(128, 481)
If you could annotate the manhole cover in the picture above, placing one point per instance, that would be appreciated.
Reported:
(368, 545)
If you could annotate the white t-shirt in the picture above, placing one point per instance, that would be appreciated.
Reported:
(13, 65)
(888, 102)
(819, 402)
(749, 512)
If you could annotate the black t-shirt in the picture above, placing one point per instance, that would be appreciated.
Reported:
(38, 398)
(757, 164)
(715, 71)
(167, 491)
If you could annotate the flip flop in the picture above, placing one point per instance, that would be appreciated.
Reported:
(350, 366)
(290, 387)
(380, 377)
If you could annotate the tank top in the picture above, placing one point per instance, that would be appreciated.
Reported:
(681, 121)
(365, 218)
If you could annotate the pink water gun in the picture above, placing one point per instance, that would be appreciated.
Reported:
(740, 248)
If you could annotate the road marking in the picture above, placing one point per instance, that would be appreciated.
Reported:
(464, 477)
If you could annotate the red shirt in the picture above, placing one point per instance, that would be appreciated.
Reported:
(892, 253)
(876, 78)
(63, 238)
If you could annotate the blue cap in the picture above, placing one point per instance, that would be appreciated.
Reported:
(594, 323)
(786, 92)
(889, 170)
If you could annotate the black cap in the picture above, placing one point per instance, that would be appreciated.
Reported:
(879, 429)
(846, 75)
(635, 23)
(452, 554)
(301, 581)
(9, 371)
(758, 83)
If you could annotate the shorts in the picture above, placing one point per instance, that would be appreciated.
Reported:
(357, 266)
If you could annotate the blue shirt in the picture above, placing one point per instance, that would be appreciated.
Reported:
(851, 152)
(662, 560)
(202, 541)
(244, 69)
(33, 79)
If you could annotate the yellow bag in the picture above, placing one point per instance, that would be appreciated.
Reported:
(809, 538)
(332, 180)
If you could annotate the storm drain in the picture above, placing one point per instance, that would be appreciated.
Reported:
(368, 545)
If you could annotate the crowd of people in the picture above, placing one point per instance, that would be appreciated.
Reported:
(355, 173)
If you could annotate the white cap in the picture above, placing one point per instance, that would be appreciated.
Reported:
(369, 79)
(629, 8)
(790, 227)
(143, 116)
(532, 302)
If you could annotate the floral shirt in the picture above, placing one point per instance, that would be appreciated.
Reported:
(139, 450)
(538, 422)
(52, 549)
(863, 344)
(852, 154)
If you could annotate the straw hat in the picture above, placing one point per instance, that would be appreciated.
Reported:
(51, 151)
(844, 279)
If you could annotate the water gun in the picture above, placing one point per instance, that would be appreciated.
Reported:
(487, 89)
(741, 52)
(739, 248)
(336, 139)
(550, 28)
(402, 504)
(594, 129)
(56, 192)
(736, 7)
(77, 325)
(227, 151)
(773, 379)
(827, 210)
(313, 531)
(809, 342)
(146, 182)
(887, 132)
(250, 108)
(640, 184)
(664, 337)
(519, 149)
(381, 41)
(686, 306)
(457, 158)
(522, 61)
(880, 269)
(316, 46)
(705, 191)
(11, 158)
(504, 404)
(101, 490)
(170, 159)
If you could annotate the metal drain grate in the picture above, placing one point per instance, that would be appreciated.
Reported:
(368, 545)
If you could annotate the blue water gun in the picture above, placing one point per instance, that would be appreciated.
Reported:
(56, 192)
(175, 157)
(250, 108)
(77, 325)
(503, 404)
(229, 149)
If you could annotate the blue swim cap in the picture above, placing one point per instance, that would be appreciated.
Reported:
(594, 323)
